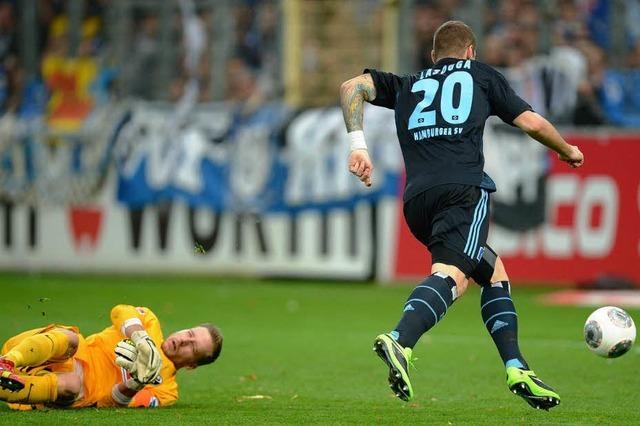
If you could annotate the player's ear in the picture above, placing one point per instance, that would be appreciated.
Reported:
(471, 52)
(433, 56)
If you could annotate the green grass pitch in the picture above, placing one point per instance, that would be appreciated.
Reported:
(306, 347)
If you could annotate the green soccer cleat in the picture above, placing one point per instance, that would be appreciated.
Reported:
(398, 360)
(525, 384)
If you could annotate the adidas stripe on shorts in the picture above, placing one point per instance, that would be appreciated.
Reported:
(452, 221)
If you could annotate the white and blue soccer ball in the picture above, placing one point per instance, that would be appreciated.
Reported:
(609, 332)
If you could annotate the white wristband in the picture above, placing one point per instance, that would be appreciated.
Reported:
(119, 397)
(357, 140)
(130, 321)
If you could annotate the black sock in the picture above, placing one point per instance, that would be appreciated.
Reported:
(500, 318)
(426, 305)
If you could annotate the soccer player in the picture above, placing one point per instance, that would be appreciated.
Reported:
(121, 366)
(440, 115)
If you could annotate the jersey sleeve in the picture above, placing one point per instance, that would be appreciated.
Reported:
(387, 87)
(156, 396)
(123, 316)
(504, 101)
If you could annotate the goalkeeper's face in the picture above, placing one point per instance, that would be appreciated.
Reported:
(186, 347)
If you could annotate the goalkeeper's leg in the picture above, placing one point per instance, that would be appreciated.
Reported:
(46, 388)
(57, 345)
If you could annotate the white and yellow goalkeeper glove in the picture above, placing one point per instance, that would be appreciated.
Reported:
(140, 357)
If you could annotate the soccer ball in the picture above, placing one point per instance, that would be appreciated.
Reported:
(609, 332)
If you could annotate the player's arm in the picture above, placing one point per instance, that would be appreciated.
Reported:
(156, 396)
(124, 392)
(131, 392)
(144, 362)
(353, 94)
(544, 132)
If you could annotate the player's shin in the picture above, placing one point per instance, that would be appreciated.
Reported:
(426, 305)
(500, 319)
(37, 389)
(40, 348)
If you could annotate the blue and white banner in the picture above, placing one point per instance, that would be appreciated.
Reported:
(268, 161)
(209, 190)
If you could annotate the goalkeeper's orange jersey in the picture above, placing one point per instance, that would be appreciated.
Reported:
(97, 358)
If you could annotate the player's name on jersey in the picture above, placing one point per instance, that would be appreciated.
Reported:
(445, 69)
(436, 131)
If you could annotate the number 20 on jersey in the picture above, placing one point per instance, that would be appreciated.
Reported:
(424, 116)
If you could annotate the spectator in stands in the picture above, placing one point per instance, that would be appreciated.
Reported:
(256, 41)
(569, 23)
(10, 75)
(144, 58)
(500, 15)
(69, 77)
(588, 110)
(267, 26)
(633, 58)
(632, 17)
(242, 86)
(427, 18)
(621, 96)
(246, 41)
(527, 28)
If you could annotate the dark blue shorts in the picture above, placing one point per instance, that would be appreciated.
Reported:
(452, 221)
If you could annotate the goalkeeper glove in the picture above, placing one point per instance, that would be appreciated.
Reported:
(147, 363)
(126, 356)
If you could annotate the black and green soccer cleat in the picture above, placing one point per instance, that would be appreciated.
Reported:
(525, 384)
(398, 360)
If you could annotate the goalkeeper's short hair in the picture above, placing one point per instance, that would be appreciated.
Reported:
(216, 338)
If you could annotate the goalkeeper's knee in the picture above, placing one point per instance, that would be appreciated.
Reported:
(69, 388)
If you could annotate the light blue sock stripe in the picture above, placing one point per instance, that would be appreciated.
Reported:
(498, 314)
(436, 292)
(514, 363)
(474, 222)
(476, 231)
(428, 306)
(499, 298)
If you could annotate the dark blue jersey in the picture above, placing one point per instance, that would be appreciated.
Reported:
(440, 116)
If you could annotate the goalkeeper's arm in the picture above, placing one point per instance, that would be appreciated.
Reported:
(148, 361)
(126, 391)
(123, 392)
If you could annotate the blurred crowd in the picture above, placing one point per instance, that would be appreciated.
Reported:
(554, 52)
(78, 67)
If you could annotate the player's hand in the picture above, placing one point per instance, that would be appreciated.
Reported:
(126, 355)
(574, 158)
(361, 166)
(148, 361)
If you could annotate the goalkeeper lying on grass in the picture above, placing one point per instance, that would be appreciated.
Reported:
(55, 366)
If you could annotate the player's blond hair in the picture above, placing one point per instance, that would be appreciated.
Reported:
(216, 338)
(453, 38)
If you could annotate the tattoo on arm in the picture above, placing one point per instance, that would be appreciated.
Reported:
(353, 93)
